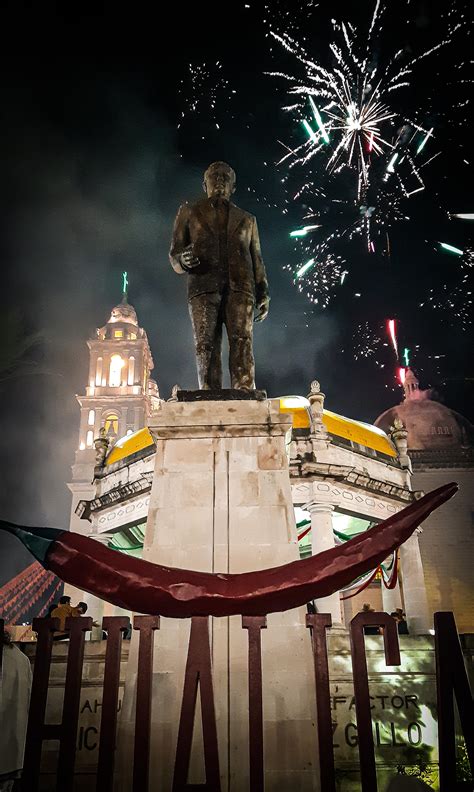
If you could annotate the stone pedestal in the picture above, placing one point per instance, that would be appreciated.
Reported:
(221, 502)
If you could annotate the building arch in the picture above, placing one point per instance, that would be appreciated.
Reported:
(111, 423)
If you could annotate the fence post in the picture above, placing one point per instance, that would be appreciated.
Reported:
(254, 625)
(39, 693)
(368, 774)
(115, 626)
(141, 753)
(318, 624)
(451, 678)
(72, 693)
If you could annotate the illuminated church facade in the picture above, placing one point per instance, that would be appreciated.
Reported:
(118, 398)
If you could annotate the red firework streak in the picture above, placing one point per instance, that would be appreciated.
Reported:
(143, 587)
(393, 335)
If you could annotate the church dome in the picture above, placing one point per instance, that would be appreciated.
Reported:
(122, 325)
(123, 312)
(431, 426)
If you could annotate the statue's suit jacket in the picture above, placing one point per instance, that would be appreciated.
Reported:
(239, 268)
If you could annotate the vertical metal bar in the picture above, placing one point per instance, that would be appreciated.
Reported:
(198, 672)
(141, 754)
(115, 627)
(451, 678)
(254, 625)
(77, 627)
(39, 694)
(368, 773)
(318, 623)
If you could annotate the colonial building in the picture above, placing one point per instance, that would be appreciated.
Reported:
(441, 449)
(346, 476)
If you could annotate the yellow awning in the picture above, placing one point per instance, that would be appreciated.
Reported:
(298, 407)
(338, 425)
(129, 445)
(359, 432)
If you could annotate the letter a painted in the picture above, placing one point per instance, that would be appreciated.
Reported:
(198, 672)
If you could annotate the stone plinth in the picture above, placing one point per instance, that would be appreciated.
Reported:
(221, 502)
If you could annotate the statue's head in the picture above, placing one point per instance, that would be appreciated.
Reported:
(219, 180)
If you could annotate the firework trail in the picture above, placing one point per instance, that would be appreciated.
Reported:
(392, 332)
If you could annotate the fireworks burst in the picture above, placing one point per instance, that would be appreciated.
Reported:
(205, 90)
(350, 104)
(281, 14)
(457, 299)
(352, 126)
(320, 277)
(366, 341)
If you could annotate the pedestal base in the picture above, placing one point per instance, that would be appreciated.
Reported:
(221, 502)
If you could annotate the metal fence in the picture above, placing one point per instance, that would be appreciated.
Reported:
(451, 680)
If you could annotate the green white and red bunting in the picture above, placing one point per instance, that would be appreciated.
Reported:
(388, 571)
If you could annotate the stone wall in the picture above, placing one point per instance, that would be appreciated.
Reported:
(447, 547)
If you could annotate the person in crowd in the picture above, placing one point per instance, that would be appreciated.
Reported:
(81, 609)
(61, 612)
(369, 629)
(15, 689)
(400, 618)
(51, 608)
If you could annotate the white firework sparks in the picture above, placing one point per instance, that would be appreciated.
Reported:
(350, 103)
(455, 300)
(317, 278)
(204, 91)
(366, 341)
(352, 126)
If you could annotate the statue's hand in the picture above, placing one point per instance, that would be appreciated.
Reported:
(262, 307)
(188, 259)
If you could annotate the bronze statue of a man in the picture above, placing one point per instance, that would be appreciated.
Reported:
(216, 244)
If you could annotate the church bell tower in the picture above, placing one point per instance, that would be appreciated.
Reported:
(118, 397)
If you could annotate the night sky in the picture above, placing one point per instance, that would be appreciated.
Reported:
(94, 168)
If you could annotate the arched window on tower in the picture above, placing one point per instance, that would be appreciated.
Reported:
(91, 418)
(89, 438)
(131, 370)
(98, 372)
(115, 372)
(111, 425)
